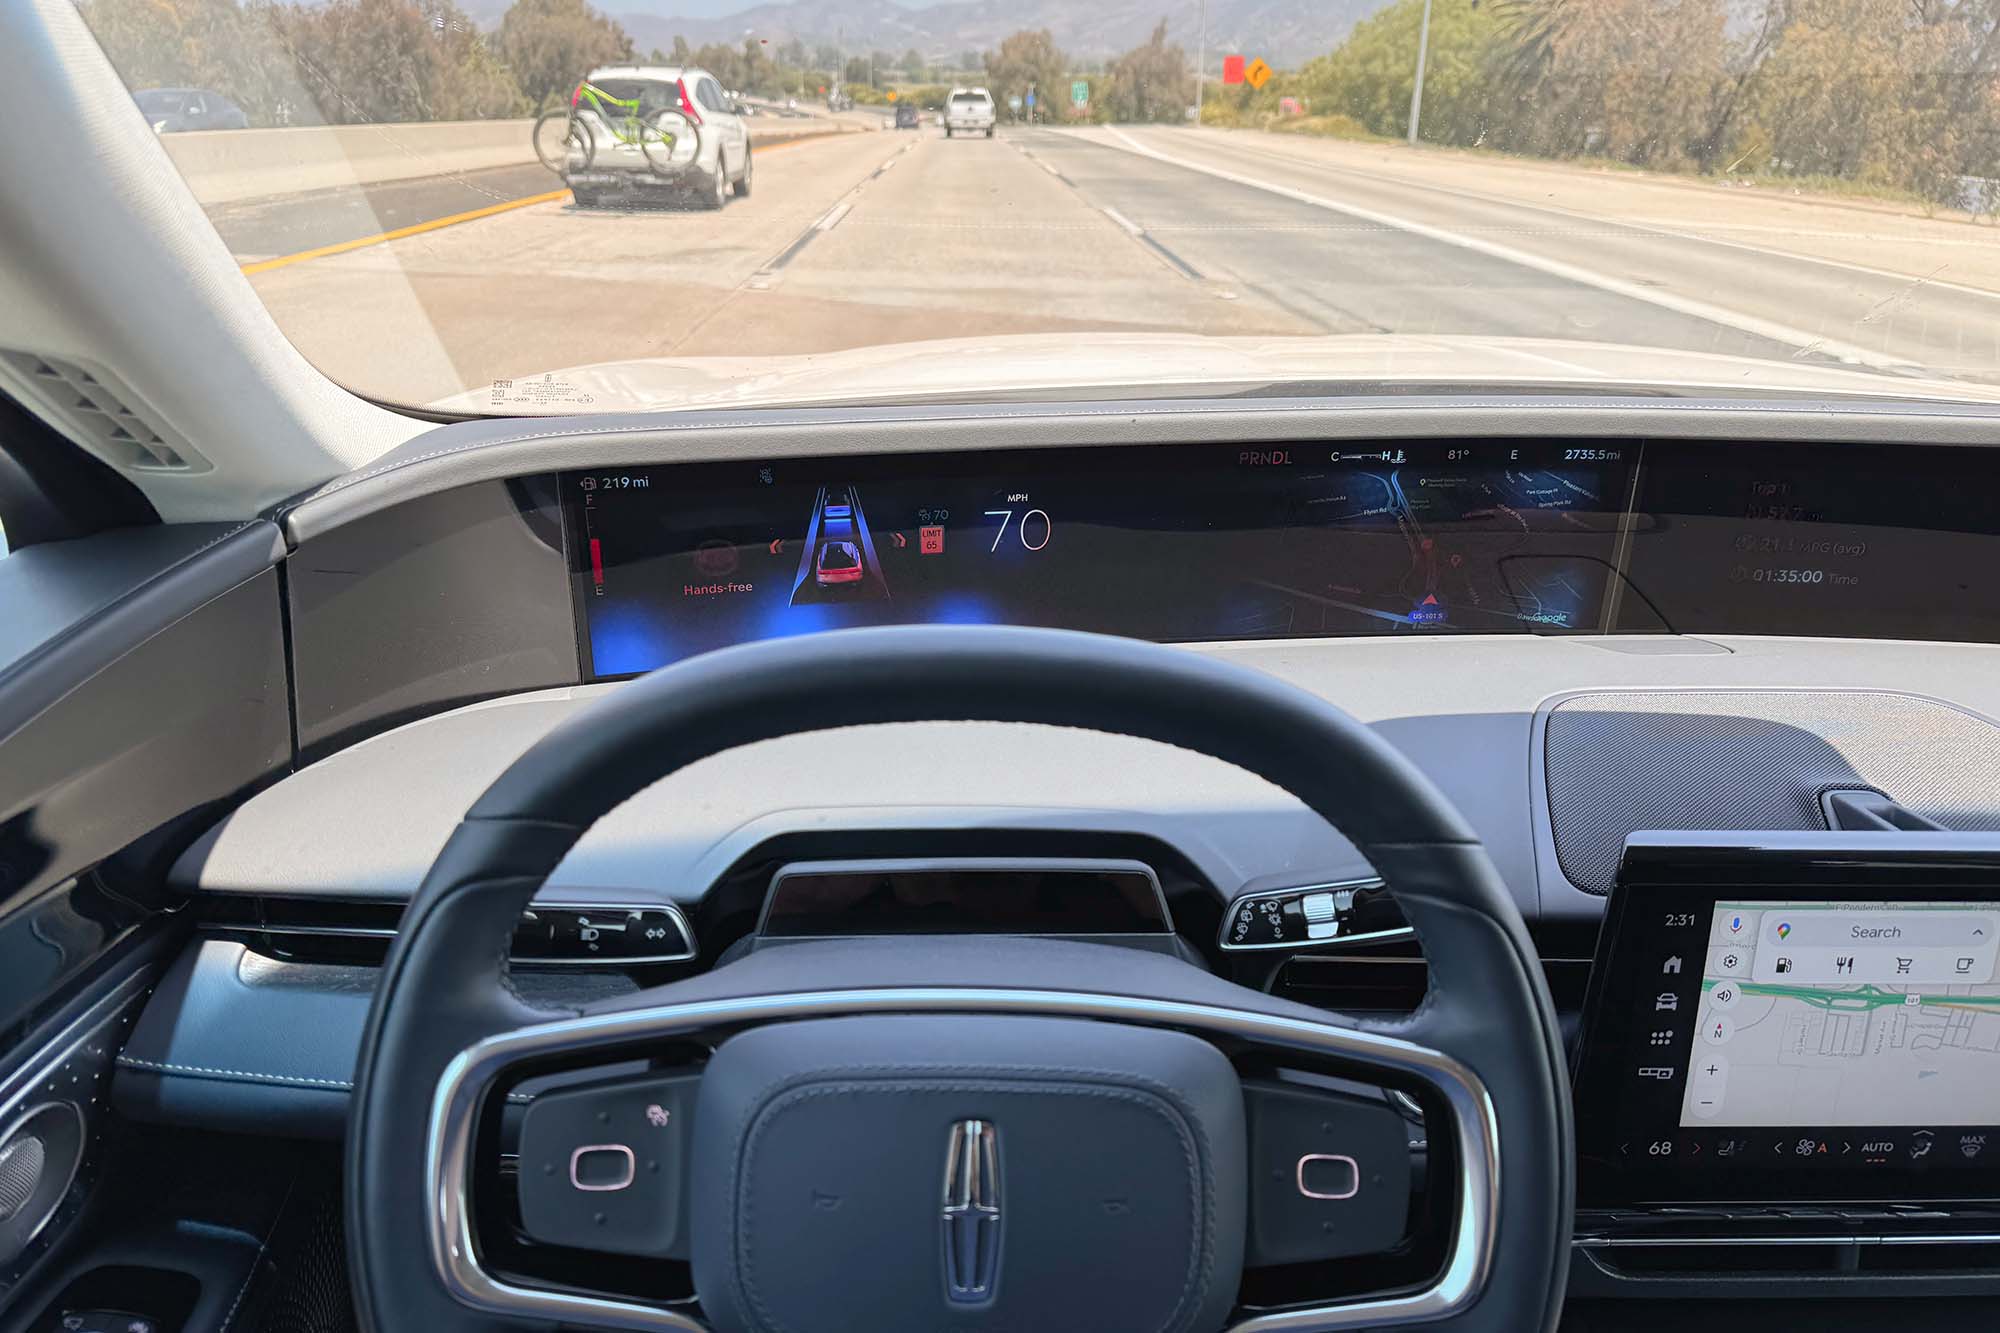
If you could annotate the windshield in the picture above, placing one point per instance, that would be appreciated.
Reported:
(1745, 197)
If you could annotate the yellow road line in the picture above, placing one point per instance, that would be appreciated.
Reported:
(472, 215)
(414, 229)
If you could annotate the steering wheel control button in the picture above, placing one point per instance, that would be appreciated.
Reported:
(1331, 1171)
(604, 1166)
(1328, 1175)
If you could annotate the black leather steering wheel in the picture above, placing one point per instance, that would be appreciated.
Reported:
(445, 1010)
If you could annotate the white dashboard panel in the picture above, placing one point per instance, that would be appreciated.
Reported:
(367, 820)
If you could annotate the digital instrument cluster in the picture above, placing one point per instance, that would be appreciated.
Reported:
(1175, 544)
(1203, 543)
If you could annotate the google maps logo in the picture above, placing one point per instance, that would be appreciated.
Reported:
(1784, 929)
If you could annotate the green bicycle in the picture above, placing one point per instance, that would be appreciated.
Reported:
(566, 138)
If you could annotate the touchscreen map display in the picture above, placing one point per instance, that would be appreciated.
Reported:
(1847, 1014)
(1780, 1023)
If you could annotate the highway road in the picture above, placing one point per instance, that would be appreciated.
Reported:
(889, 237)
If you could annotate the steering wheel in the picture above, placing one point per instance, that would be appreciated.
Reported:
(1079, 1101)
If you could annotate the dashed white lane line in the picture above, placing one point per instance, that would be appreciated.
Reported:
(765, 276)
(1131, 228)
(1800, 338)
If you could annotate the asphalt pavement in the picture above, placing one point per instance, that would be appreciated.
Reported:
(257, 230)
(1550, 257)
(903, 236)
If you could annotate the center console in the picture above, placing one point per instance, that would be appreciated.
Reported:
(1790, 1060)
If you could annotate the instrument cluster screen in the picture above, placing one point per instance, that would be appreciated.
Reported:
(1173, 544)
(1834, 540)
(827, 898)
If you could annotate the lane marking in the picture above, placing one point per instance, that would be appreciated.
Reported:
(1131, 227)
(1763, 328)
(1174, 261)
(414, 229)
(767, 273)
(1140, 234)
(470, 215)
(1675, 230)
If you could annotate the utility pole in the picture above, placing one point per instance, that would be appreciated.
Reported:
(1417, 93)
(1201, 60)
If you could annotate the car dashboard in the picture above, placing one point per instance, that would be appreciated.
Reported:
(1733, 674)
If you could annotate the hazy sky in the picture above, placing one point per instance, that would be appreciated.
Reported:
(708, 9)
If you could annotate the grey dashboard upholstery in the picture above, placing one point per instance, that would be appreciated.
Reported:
(1466, 710)
(1757, 759)
(142, 678)
(68, 609)
(234, 1040)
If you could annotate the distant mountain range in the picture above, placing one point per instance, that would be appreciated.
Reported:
(1285, 32)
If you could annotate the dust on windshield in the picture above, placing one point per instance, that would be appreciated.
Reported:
(539, 206)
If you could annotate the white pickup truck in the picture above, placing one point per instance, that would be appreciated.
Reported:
(969, 111)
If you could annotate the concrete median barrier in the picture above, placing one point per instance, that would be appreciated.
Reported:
(227, 166)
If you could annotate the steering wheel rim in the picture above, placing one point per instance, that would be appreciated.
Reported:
(445, 986)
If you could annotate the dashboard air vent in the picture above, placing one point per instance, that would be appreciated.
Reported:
(1364, 983)
(1393, 981)
(100, 413)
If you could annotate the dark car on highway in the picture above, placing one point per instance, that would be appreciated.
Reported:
(906, 117)
(172, 110)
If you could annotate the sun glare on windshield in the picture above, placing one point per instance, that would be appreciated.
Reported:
(541, 206)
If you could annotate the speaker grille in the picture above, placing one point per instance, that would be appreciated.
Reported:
(1753, 760)
(39, 1157)
(20, 1169)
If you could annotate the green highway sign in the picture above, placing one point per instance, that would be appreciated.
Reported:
(1079, 93)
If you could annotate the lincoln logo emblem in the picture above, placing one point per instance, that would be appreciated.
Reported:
(971, 1212)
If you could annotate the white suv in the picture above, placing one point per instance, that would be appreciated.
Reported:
(969, 111)
(711, 150)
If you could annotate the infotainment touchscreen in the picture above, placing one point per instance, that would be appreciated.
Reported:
(1803, 1021)
(1845, 1013)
